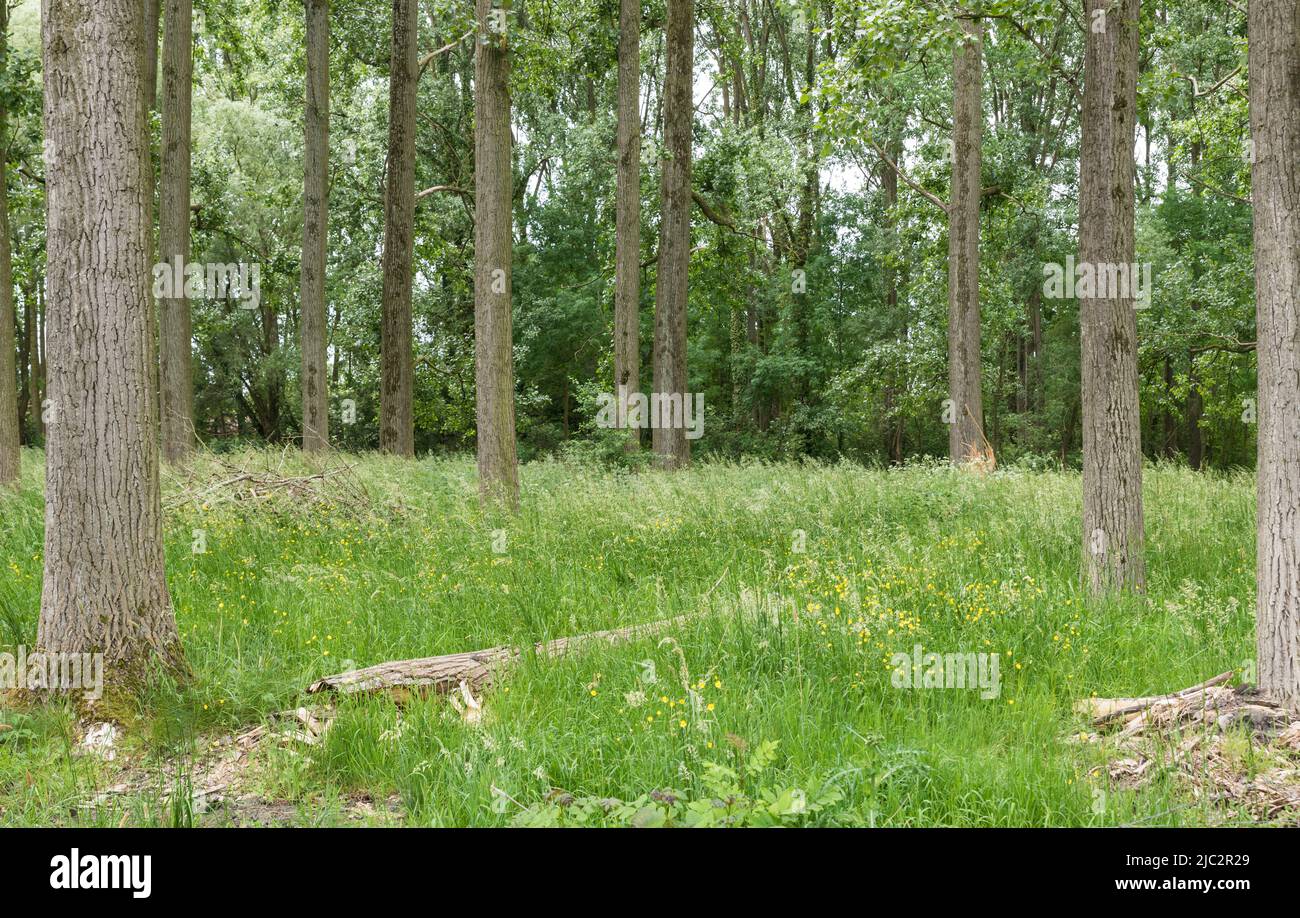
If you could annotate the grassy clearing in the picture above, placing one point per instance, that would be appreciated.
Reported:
(284, 594)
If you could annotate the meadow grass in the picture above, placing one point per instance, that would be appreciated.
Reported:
(858, 563)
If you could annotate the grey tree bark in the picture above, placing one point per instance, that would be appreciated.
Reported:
(396, 347)
(1274, 63)
(1112, 433)
(315, 231)
(104, 585)
(672, 449)
(9, 427)
(627, 215)
(176, 381)
(966, 442)
(494, 377)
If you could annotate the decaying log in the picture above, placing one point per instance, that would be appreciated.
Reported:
(475, 668)
(1105, 710)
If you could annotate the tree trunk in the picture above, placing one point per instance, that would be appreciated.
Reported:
(31, 306)
(671, 447)
(396, 347)
(1274, 62)
(1112, 433)
(104, 586)
(9, 427)
(494, 374)
(176, 380)
(315, 404)
(627, 256)
(966, 440)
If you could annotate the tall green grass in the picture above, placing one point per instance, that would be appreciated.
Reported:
(859, 564)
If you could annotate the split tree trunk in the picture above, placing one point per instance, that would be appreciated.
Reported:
(1112, 431)
(966, 442)
(176, 379)
(494, 374)
(627, 219)
(396, 399)
(1274, 64)
(315, 223)
(671, 447)
(104, 588)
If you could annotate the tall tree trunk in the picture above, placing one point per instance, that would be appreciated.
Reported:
(627, 219)
(1274, 62)
(176, 378)
(9, 427)
(494, 373)
(315, 205)
(966, 440)
(670, 382)
(1112, 426)
(34, 372)
(104, 585)
(396, 346)
(149, 87)
(149, 76)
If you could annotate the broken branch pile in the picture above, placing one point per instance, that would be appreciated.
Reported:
(1230, 746)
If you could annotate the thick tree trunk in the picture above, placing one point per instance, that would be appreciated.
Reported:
(176, 380)
(9, 427)
(627, 219)
(671, 447)
(494, 373)
(396, 347)
(1112, 425)
(1275, 178)
(315, 198)
(966, 442)
(104, 588)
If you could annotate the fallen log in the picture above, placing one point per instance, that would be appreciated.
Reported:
(1105, 710)
(475, 668)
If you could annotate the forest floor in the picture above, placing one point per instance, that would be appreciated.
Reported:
(774, 702)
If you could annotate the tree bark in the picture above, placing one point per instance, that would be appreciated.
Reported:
(1274, 63)
(966, 441)
(671, 447)
(1112, 432)
(176, 379)
(104, 584)
(494, 375)
(9, 427)
(396, 346)
(627, 218)
(315, 223)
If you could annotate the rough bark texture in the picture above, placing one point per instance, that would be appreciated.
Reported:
(1275, 177)
(672, 449)
(396, 404)
(104, 589)
(315, 205)
(1112, 431)
(9, 454)
(149, 76)
(176, 381)
(966, 441)
(494, 376)
(627, 219)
